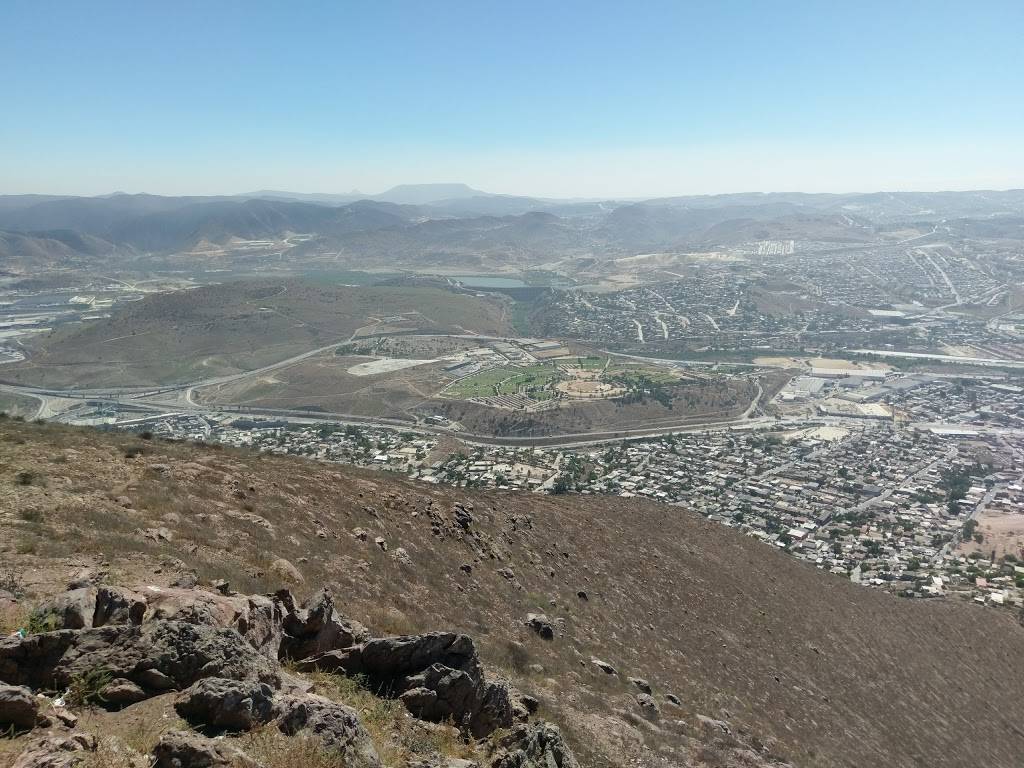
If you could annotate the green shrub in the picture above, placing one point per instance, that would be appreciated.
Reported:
(85, 688)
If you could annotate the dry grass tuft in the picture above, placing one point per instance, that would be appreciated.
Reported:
(272, 749)
(398, 736)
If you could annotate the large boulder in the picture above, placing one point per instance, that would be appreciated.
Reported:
(156, 656)
(120, 693)
(335, 725)
(179, 749)
(317, 627)
(648, 706)
(18, 708)
(436, 675)
(233, 705)
(115, 605)
(286, 572)
(271, 624)
(539, 745)
(385, 661)
(69, 610)
(257, 618)
(56, 750)
(540, 624)
(88, 606)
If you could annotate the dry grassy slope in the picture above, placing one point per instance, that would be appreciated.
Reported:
(221, 329)
(717, 399)
(828, 673)
(323, 382)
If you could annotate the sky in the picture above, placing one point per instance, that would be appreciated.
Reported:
(574, 98)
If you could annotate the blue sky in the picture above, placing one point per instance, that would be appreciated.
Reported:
(550, 98)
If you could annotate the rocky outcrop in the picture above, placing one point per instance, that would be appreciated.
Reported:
(436, 675)
(539, 745)
(18, 708)
(229, 704)
(257, 618)
(648, 706)
(64, 749)
(221, 651)
(155, 656)
(117, 606)
(179, 749)
(316, 628)
(539, 623)
(71, 610)
(120, 693)
(88, 606)
(641, 684)
(337, 727)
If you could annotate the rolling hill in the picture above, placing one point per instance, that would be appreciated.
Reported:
(452, 225)
(222, 329)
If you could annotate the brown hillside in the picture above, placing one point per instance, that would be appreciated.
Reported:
(214, 330)
(808, 666)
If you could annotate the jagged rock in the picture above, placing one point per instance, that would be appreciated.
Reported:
(161, 533)
(640, 683)
(648, 706)
(710, 724)
(63, 716)
(56, 750)
(73, 609)
(463, 517)
(531, 703)
(337, 726)
(604, 666)
(360, 534)
(114, 605)
(120, 693)
(230, 704)
(286, 572)
(436, 675)
(159, 655)
(257, 618)
(539, 623)
(18, 707)
(381, 543)
(402, 556)
(187, 580)
(671, 698)
(317, 628)
(178, 749)
(539, 745)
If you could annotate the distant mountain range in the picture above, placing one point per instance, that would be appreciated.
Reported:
(412, 225)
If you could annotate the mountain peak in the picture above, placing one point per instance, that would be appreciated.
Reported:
(423, 194)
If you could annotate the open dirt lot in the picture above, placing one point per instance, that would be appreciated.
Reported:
(1002, 532)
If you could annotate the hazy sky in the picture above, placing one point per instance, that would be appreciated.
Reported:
(558, 98)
